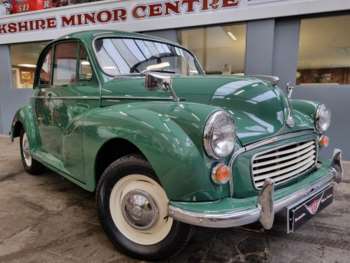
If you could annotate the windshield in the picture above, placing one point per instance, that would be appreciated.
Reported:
(124, 56)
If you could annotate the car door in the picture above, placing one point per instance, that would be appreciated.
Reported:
(74, 92)
(43, 107)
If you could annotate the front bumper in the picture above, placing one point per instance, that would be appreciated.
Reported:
(231, 212)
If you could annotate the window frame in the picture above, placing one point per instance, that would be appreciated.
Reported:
(92, 79)
(52, 47)
(76, 82)
(41, 60)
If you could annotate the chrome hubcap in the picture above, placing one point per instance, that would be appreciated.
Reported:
(26, 150)
(139, 209)
(140, 215)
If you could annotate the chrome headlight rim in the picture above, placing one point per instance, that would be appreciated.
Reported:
(208, 134)
(321, 110)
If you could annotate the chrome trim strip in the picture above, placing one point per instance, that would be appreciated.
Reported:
(244, 217)
(136, 98)
(66, 97)
(276, 139)
(103, 97)
(270, 78)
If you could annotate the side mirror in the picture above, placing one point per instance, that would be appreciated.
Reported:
(158, 81)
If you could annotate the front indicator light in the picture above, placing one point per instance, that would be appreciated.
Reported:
(324, 141)
(221, 174)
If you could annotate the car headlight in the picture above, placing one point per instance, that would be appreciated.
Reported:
(322, 118)
(219, 135)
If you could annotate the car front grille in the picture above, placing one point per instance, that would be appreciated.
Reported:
(283, 163)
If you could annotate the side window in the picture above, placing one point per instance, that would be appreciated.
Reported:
(85, 69)
(45, 71)
(65, 64)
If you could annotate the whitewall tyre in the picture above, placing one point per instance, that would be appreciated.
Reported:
(133, 210)
(30, 165)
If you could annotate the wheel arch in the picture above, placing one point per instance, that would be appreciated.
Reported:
(166, 140)
(107, 154)
(24, 120)
(17, 128)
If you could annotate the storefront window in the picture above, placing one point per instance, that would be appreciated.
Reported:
(220, 49)
(324, 51)
(23, 59)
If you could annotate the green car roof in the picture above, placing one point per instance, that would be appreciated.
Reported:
(91, 34)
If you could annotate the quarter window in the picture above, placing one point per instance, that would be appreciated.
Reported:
(45, 70)
(85, 70)
(65, 64)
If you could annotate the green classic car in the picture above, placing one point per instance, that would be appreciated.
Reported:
(166, 147)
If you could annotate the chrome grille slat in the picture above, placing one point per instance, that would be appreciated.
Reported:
(282, 178)
(283, 163)
(286, 158)
(284, 152)
(283, 171)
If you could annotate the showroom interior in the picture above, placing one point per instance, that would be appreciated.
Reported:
(309, 50)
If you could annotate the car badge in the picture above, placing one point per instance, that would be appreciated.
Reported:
(313, 207)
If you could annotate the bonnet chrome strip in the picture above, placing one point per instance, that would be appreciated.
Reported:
(103, 97)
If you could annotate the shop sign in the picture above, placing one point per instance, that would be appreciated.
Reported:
(150, 15)
(117, 15)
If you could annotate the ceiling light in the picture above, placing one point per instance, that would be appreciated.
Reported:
(232, 36)
(27, 65)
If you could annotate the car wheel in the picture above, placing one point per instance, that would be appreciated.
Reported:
(133, 210)
(30, 165)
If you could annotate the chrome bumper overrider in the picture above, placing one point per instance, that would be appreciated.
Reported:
(266, 207)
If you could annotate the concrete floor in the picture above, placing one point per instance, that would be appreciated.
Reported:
(48, 219)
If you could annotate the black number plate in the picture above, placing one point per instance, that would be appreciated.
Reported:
(301, 212)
